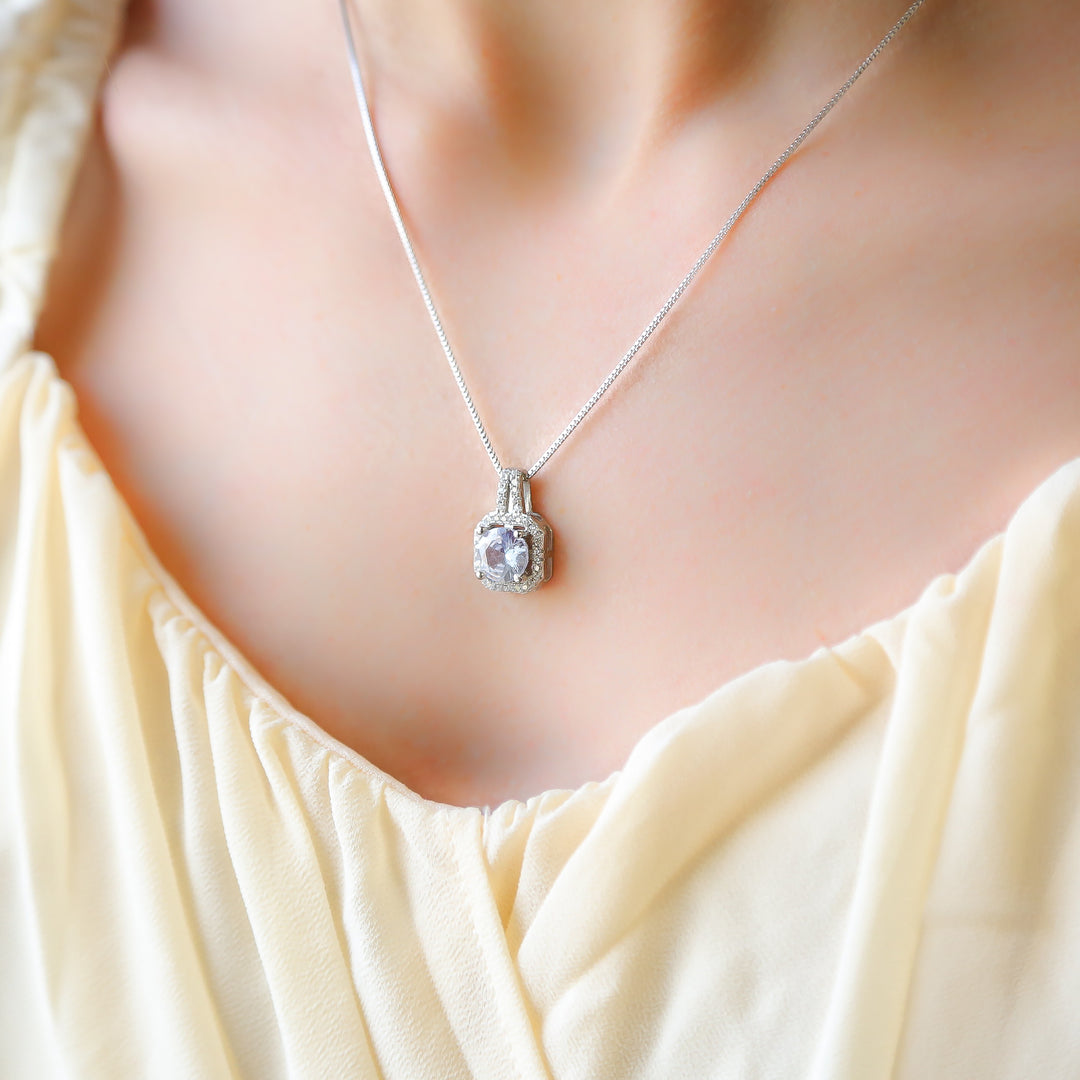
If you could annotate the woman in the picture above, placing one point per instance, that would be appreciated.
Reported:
(801, 698)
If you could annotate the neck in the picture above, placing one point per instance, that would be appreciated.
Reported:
(613, 77)
(594, 87)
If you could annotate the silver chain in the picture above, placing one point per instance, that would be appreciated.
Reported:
(395, 211)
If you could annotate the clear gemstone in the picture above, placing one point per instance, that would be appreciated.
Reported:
(501, 555)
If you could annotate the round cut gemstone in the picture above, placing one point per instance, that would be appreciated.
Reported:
(501, 555)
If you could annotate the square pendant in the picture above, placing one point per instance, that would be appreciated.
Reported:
(512, 544)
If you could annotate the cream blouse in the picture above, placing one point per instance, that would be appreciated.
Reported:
(858, 865)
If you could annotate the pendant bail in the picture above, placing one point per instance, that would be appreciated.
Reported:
(514, 495)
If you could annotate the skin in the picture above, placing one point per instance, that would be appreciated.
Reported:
(878, 365)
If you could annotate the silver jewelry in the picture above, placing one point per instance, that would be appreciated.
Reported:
(512, 544)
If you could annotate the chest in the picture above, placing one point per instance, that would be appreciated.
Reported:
(877, 365)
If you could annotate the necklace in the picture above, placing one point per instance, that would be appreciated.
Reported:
(512, 544)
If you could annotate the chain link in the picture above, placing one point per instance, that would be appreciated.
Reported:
(395, 212)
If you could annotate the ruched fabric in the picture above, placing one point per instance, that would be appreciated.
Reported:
(861, 864)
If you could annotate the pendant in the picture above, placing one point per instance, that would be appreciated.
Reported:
(512, 544)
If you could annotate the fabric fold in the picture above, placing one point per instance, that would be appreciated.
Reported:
(52, 58)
